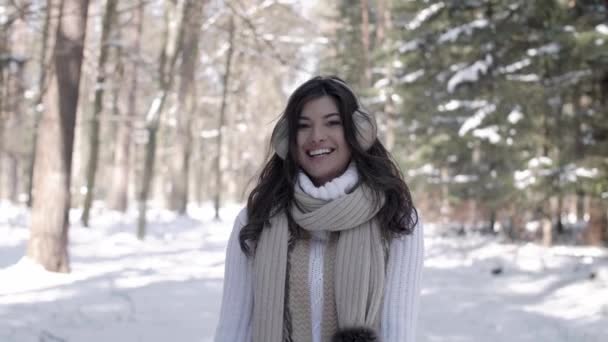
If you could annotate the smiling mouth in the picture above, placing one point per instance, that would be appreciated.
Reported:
(319, 152)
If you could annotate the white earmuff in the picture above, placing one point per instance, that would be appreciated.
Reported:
(280, 138)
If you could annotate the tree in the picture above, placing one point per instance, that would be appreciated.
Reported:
(222, 118)
(118, 196)
(41, 89)
(186, 106)
(100, 85)
(49, 229)
(483, 92)
(170, 48)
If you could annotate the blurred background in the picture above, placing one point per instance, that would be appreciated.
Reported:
(131, 132)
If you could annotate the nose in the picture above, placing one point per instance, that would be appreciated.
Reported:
(318, 133)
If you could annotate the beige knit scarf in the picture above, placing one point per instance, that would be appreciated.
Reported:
(353, 279)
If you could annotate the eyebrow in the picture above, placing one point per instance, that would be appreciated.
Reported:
(326, 116)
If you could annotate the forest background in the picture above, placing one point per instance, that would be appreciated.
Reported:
(495, 110)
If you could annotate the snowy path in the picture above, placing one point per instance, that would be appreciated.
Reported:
(540, 295)
(169, 287)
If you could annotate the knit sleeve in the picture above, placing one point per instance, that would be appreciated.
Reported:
(402, 291)
(237, 299)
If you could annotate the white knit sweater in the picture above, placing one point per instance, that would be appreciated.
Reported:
(401, 296)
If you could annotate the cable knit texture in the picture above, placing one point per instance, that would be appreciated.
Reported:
(359, 271)
(333, 189)
(401, 295)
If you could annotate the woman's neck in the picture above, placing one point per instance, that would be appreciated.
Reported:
(332, 189)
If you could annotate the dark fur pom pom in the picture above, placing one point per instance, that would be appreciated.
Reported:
(355, 335)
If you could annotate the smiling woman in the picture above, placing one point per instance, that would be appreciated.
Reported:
(329, 247)
(322, 151)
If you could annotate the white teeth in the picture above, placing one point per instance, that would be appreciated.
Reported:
(319, 152)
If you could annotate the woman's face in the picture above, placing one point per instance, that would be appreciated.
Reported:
(322, 151)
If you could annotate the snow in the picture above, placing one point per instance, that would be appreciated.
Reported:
(381, 83)
(515, 115)
(489, 133)
(411, 77)
(475, 120)
(454, 104)
(539, 162)
(548, 49)
(168, 287)
(524, 78)
(515, 66)
(208, 134)
(573, 173)
(120, 288)
(409, 46)
(470, 73)
(539, 166)
(571, 77)
(602, 28)
(586, 173)
(538, 296)
(426, 169)
(465, 178)
(523, 178)
(424, 15)
(293, 39)
(153, 111)
(452, 34)
(397, 98)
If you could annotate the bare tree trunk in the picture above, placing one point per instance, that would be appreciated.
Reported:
(13, 61)
(5, 60)
(222, 119)
(547, 231)
(12, 169)
(445, 207)
(15, 133)
(41, 90)
(170, 48)
(118, 194)
(367, 74)
(559, 225)
(3, 96)
(240, 70)
(580, 204)
(49, 230)
(151, 129)
(579, 151)
(595, 233)
(385, 25)
(97, 108)
(186, 105)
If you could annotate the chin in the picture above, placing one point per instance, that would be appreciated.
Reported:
(322, 178)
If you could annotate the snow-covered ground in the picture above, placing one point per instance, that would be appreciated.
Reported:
(169, 286)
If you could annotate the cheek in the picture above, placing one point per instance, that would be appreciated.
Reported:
(299, 152)
(345, 146)
(342, 139)
(347, 153)
(300, 139)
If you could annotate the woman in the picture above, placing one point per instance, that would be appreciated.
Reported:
(329, 247)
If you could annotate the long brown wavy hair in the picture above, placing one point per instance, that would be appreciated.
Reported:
(274, 192)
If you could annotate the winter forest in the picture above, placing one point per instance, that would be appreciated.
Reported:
(131, 133)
